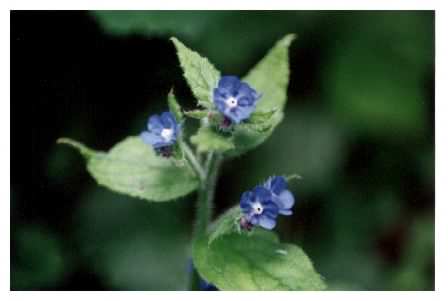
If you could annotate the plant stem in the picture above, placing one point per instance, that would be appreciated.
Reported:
(193, 161)
(206, 193)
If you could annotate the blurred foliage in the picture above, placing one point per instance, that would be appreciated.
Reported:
(131, 244)
(227, 38)
(374, 75)
(39, 259)
(358, 128)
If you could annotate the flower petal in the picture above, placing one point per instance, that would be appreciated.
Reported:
(168, 120)
(285, 212)
(262, 194)
(267, 223)
(246, 202)
(285, 200)
(246, 91)
(230, 83)
(278, 184)
(254, 219)
(151, 138)
(270, 209)
(155, 124)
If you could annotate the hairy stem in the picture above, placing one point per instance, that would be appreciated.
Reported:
(205, 196)
(191, 158)
(206, 193)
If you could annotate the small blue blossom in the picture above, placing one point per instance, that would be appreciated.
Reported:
(235, 99)
(284, 199)
(259, 208)
(262, 205)
(162, 132)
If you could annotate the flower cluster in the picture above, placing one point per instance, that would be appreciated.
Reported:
(162, 133)
(234, 99)
(262, 205)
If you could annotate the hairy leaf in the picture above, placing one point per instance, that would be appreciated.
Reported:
(269, 77)
(225, 224)
(256, 260)
(201, 75)
(207, 140)
(132, 167)
(174, 107)
(260, 122)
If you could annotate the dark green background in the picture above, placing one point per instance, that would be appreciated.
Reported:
(359, 129)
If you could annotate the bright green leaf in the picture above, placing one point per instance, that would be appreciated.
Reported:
(249, 136)
(260, 122)
(208, 140)
(254, 262)
(174, 106)
(261, 116)
(233, 259)
(201, 75)
(132, 167)
(270, 77)
(225, 224)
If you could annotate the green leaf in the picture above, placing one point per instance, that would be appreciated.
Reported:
(258, 117)
(201, 75)
(225, 224)
(208, 140)
(270, 77)
(132, 167)
(254, 261)
(197, 114)
(174, 106)
(260, 122)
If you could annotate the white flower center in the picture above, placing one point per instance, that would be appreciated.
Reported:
(167, 134)
(257, 208)
(231, 102)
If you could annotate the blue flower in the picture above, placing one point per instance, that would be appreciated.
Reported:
(235, 99)
(259, 208)
(282, 197)
(162, 132)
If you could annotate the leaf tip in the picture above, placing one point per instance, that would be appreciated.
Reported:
(293, 177)
(289, 38)
(84, 150)
(176, 42)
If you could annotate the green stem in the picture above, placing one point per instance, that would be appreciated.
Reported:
(193, 160)
(206, 193)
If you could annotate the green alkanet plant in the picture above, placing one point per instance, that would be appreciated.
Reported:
(239, 250)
